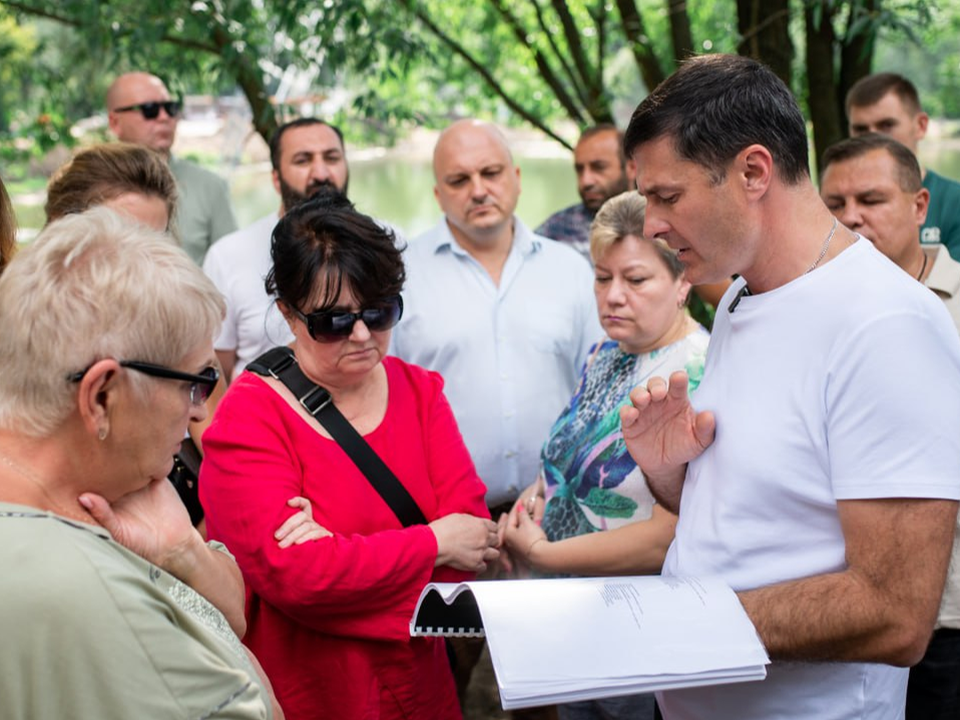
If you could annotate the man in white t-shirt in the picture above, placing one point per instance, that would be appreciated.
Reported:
(817, 467)
(307, 156)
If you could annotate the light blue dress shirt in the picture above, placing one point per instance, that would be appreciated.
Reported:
(511, 354)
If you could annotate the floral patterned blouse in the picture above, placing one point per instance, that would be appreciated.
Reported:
(591, 481)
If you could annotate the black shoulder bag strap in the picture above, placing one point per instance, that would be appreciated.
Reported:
(281, 364)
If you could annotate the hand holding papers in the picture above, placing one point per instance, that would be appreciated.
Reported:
(569, 639)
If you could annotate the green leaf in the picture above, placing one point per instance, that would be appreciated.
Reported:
(607, 503)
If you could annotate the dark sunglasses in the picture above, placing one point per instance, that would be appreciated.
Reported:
(151, 110)
(201, 385)
(334, 325)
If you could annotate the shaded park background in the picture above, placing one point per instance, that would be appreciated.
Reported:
(391, 72)
(382, 67)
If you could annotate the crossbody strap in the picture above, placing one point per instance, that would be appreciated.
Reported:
(280, 363)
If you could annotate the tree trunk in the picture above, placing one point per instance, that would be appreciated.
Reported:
(822, 94)
(680, 32)
(647, 63)
(765, 34)
(250, 79)
(856, 59)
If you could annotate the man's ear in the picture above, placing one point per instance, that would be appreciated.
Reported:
(112, 122)
(921, 203)
(923, 122)
(754, 166)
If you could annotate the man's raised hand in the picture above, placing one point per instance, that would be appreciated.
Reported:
(663, 433)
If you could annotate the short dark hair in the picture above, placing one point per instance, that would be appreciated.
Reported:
(275, 140)
(604, 128)
(909, 176)
(326, 239)
(716, 105)
(872, 88)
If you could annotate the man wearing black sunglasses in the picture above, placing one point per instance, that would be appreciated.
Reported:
(141, 111)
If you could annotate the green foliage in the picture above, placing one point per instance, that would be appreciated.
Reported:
(932, 62)
(403, 62)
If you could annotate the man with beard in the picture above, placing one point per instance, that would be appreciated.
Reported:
(602, 172)
(308, 156)
(141, 111)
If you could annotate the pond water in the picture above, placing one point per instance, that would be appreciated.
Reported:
(400, 189)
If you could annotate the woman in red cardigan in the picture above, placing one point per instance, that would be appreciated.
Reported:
(328, 616)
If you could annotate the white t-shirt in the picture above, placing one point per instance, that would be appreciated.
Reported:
(238, 264)
(822, 390)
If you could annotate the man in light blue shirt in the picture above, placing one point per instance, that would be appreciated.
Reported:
(506, 316)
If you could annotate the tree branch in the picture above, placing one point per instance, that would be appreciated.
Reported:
(250, 80)
(647, 62)
(572, 34)
(601, 22)
(680, 30)
(759, 27)
(546, 71)
(856, 57)
(74, 22)
(482, 71)
(578, 87)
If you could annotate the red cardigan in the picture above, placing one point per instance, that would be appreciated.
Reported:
(329, 620)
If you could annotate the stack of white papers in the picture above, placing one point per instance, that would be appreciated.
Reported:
(569, 639)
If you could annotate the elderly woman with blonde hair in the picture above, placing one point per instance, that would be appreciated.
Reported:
(135, 182)
(588, 479)
(109, 607)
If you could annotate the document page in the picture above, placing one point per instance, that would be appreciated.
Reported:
(556, 640)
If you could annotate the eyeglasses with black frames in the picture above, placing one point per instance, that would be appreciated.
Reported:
(151, 110)
(329, 326)
(201, 384)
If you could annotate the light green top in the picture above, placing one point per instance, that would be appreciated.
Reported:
(204, 213)
(91, 630)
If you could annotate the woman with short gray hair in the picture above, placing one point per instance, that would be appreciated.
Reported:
(110, 599)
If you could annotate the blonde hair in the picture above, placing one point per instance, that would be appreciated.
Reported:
(105, 172)
(623, 215)
(93, 286)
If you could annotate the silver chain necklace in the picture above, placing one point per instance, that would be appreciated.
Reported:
(826, 245)
(745, 290)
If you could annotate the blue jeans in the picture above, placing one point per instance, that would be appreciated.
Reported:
(933, 691)
(628, 707)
